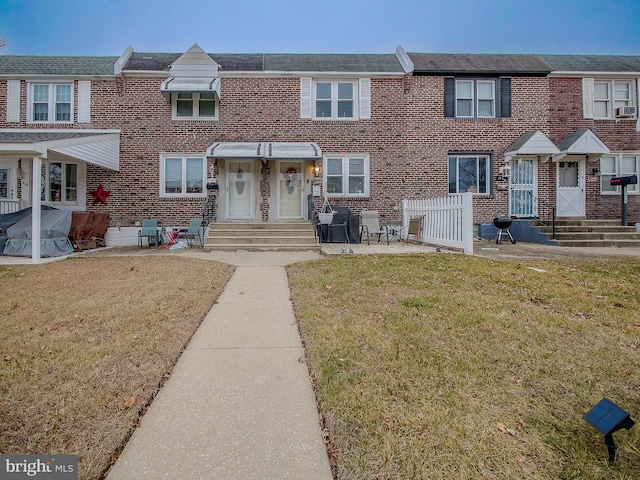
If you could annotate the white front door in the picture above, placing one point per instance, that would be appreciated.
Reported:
(7, 187)
(240, 189)
(523, 200)
(570, 197)
(290, 189)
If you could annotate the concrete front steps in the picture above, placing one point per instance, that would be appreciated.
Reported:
(284, 236)
(578, 232)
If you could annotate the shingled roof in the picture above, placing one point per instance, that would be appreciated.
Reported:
(41, 65)
(478, 64)
(593, 63)
(255, 62)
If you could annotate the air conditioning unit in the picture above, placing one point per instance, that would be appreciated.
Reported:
(626, 112)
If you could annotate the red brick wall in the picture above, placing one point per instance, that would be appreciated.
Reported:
(431, 136)
(252, 110)
(566, 116)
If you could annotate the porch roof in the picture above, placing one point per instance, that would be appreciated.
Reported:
(265, 150)
(531, 143)
(98, 147)
(581, 142)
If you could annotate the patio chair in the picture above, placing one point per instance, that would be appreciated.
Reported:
(195, 224)
(149, 230)
(370, 225)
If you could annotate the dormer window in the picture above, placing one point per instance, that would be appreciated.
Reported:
(194, 106)
(193, 87)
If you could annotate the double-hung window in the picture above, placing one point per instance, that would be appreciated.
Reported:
(335, 99)
(346, 175)
(182, 176)
(469, 173)
(477, 97)
(51, 103)
(618, 165)
(194, 106)
(59, 182)
(610, 95)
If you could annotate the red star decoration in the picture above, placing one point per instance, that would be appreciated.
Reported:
(100, 195)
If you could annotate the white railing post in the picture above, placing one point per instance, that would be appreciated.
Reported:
(467, 223)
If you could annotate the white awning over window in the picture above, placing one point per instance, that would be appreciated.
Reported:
(190, 85)
(265, 150)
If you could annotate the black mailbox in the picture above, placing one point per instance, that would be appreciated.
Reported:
(629, 180)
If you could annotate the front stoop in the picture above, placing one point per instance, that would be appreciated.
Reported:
(579, 232)
(285, 236)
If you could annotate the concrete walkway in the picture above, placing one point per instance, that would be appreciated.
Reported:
(239, 403)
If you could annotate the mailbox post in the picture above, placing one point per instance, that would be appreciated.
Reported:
(622, 182)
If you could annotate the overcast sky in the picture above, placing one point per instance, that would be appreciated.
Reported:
(107, 27)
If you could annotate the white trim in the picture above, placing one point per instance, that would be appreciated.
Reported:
(51, 102)
(195, 100)
(183, 157)
(335, 100)
(345, 157)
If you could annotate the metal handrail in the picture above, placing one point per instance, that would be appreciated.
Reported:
(550, 211)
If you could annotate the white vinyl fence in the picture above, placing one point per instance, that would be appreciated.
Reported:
(447, 221)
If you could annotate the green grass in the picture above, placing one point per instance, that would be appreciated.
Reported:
(447, 366)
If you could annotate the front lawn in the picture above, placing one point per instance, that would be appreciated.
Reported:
(85, 345)
(448, 366)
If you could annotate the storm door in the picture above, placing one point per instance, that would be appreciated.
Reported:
(523, 201)
(8, 202)
(240, 189)
(570, 198)
(290, 189)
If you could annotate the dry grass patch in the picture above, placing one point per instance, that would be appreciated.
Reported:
(447, 366)
(86, 344)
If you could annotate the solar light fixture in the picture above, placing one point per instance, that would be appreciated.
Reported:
(607, 417)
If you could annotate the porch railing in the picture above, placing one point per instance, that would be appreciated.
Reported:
(546, 214)
(9, 206)
(448, 221)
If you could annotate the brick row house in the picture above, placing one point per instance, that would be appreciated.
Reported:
(262, 138)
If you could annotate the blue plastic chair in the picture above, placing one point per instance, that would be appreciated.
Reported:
(149, 230)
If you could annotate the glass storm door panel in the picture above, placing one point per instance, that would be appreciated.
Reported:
(570, 197)
(7, 188)
(240, 190)
(290, 189)
(523, 201)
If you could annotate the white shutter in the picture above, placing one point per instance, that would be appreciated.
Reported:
(587, 97)
(84, 101)
(13, 101)
(305, 97)
(365, 98)
(637, 95)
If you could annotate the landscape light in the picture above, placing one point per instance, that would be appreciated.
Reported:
(607, 417)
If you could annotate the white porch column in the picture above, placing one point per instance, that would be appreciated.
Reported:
(36, 187)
